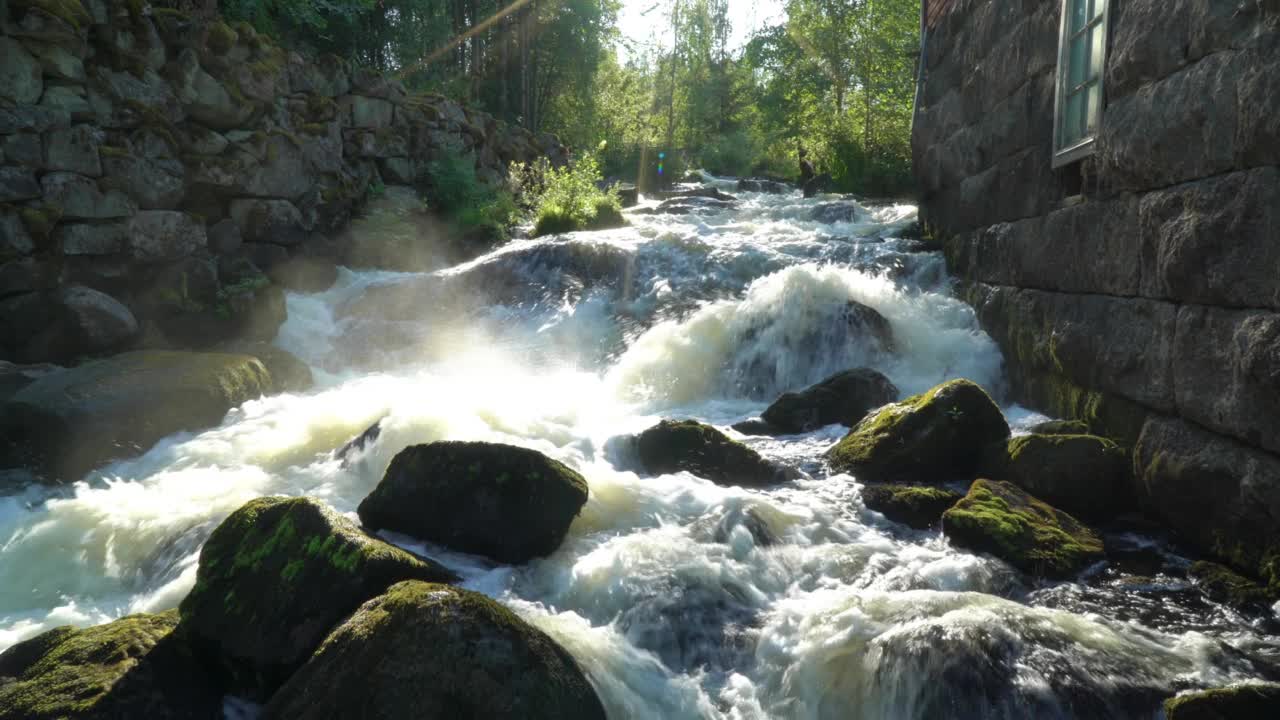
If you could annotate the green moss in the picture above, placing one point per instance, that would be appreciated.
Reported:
(999, 518)
(1228, 587)
(317, 129)
(40, 221)
(941, 433)
(113, 152)
(918, 506)
(71, 12)
(221, 38)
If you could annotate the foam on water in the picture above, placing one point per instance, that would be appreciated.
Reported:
(680, 598)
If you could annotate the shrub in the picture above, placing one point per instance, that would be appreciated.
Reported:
(570, 199)
(454, 191)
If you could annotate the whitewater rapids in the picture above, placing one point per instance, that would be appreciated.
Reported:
(680, 598)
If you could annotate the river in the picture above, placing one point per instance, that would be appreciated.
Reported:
(680, 598)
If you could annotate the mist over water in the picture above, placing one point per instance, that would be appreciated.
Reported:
(680, 598)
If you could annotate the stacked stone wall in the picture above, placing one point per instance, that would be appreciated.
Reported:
(160, 176)
(1141, 289)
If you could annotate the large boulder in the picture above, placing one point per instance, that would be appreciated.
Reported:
(1224, 585)
(68, 422)
(844, 398)
(508, 503)
(763, 185)
(941, 434)
(694, 447)
(435, 651)
(135, 667)
(1000, 518)
(1083, 474)
(918, 506)
(1254, 701)
(275, 577)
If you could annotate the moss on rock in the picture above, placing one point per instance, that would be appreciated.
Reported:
(690, 446)
(937, 435)
(135, 667)
(1000, 518)
(275, 576)
(505, 502)
(1083, 474)
(1228, 587)
(433, 651)
(918, 506)
(1061, 427)
(69, 422)
(1239, 702)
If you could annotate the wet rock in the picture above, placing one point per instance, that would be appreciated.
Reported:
(288, 373)
(275, 577)
(135, 667)
(163, 235)
(508, 503)
(69, 422)
(834, 212)
(154, 183)
(938, 435)
(15, 377)
(74, 149)
(1239, 702)
(18, 184)
(68, 100)
(80, 198)
(91, 239)
(763, 185)
(15, 241)
(1224, 585)
(95, 321)
(203, 97)
(1060, 427)
(1083, 474)
(917, 506)
(686, 205)
(273, 221)
(628, 194)
(1001, 519)
(20, 76)
(690, 446)
(701, 192)
(423, 650)
(844, 398)
(359, 443)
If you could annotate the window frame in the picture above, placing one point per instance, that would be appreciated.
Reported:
(1085, 146)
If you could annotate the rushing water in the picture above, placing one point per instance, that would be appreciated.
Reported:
(681, 599)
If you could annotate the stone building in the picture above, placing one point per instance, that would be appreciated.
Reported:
(1103, 177)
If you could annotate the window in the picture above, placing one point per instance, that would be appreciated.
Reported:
(1082, 54)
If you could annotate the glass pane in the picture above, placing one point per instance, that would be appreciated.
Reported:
(1098, 6)
(1092, 115)
(1078, 61)
(1099, 46)
(1072, 130)
(1079, 14)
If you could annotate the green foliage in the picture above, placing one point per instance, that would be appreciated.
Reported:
(571, 199)
(454, 191)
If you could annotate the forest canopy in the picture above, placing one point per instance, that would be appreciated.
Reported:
(833, 76)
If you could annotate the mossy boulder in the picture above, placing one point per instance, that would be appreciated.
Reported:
(434, 651)
(508, 503)
(1083, 474)
(844, 398)
(135, 667)
(941, 434)
(68, 422)
(694, 447)
(1240, 702)
(275, 577)
(1002, 519)
(1060, 427)
(1224, 585)
(918, 506)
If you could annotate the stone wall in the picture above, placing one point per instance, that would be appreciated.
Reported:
(159, 176)
(1140, 291)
